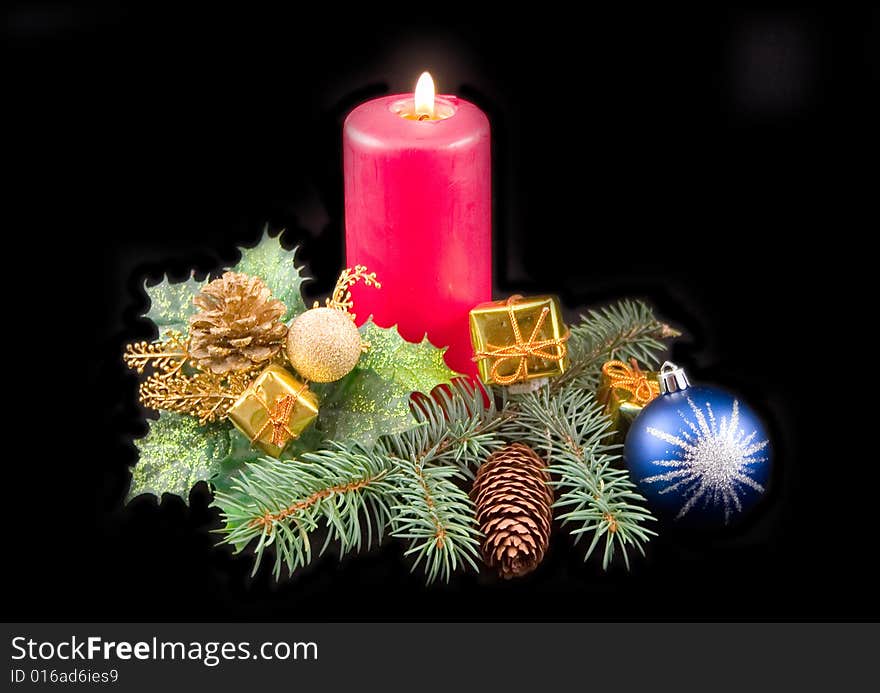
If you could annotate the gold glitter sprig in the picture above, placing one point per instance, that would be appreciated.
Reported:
(167, 356)
(204, 395)
(341, 298)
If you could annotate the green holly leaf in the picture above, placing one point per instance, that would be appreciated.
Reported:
(171, 305)
(362, 407)
(275, 266)
(410, 366)
(373, 399)
(176, 454)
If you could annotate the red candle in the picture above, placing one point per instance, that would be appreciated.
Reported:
(418, 213)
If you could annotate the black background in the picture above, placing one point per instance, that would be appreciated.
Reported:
(722, 165)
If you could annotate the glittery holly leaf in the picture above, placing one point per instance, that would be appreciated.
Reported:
(373, 399)
(176, 454)
(410, 366)
(269, 261)
(361, 407)
(172, 304)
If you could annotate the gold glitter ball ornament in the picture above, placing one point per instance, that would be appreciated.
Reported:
(323, 344)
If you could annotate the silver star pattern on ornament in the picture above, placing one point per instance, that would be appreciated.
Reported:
(712, 460)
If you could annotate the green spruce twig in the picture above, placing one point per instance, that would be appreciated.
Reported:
(460, 423)
(563, 423)
(568, 429)
(456, 431)
(411, 482)
(436, 518)
(624, 330)
(279, 504)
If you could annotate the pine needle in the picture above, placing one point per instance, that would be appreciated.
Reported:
(569, 429)
(280, 503)
(624, 330)
(564, 423)
(409, 482)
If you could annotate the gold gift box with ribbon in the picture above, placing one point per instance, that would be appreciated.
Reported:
(519, 339)
(624, 390)
(274, 409)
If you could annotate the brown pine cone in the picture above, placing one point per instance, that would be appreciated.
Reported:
(513, 500)
(239, 326)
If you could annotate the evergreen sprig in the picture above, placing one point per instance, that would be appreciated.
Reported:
(459, 424)
(564, 423)
(569, 429)
(436, 518)
(346, 489)
(456, 431)
(411, 482)
(624, 330)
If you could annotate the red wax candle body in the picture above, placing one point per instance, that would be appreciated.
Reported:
(418, 213)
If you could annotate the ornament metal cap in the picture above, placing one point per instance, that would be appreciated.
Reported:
(672, 378)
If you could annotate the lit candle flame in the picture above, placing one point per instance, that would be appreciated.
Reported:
(424, 101)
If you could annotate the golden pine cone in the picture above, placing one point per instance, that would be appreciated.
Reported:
(239, 326)
(513, 500)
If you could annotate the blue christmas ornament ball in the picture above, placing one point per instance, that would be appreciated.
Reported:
(699, 455)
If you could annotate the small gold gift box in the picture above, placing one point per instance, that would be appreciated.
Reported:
(519, 339)
(624, 390)
(274, 409)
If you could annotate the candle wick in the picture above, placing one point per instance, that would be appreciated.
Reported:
(424, 116)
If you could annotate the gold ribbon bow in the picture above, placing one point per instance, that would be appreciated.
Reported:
(279, 418)
(522, 349)
(633, 380)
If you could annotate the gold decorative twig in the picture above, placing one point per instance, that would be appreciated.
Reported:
(167, 356)
(341, 298)
(203, 395)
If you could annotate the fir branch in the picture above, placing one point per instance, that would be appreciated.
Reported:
(408, 480)
(280, 503)
(436, 517)
(458, 424)
(432, 513)
(456, 430)
(627, 329)
(568, 429)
